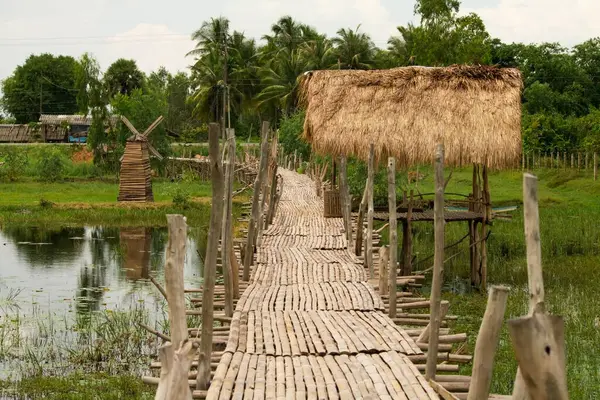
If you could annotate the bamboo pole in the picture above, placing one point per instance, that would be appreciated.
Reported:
(210, 264)
(345, 197)
(487, 343)
(227, 227)
(393, 272)
(407, 239)
(438, 265)
(359, 223)
(370, 211)
(249, 253)
(384, 260)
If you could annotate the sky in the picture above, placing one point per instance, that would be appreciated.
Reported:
(157, 33)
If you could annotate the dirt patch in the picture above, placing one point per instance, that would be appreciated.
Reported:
(83, 155)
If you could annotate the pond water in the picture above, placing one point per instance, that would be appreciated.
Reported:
(68, 271)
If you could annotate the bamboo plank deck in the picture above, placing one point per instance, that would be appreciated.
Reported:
(310, 325)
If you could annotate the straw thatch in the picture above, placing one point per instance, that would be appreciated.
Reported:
(405, 112)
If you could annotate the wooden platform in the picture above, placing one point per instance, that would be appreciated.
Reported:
(310, 325)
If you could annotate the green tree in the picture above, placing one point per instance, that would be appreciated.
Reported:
(353, 49)
(44, 83)
(87, 72)
(123, 77)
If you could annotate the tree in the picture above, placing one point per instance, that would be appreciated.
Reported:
(123, 76)
(43, 84)
(353, 50)
(87, 72)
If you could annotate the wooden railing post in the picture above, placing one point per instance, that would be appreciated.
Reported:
(273, 185)
(438, 264)
(487, 342)
(176, 357)
(260, 176)
(346, 201)
(384, 261)
(264, 194)
(393, 229)
(210, 263)
(227, 227)
(538, 339)
(360, 222)
(370, 211)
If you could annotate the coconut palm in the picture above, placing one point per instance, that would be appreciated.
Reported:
(318, 53)
(353, 50)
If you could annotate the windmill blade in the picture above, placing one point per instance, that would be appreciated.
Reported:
(153, 126)
(129, 125)
(154, 151)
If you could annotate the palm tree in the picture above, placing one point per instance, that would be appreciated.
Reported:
(212, 35)
(317, 53)
(353, 50)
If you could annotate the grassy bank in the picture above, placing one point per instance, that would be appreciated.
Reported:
(29, 202)
(569, 211)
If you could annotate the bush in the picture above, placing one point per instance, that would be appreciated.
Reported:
(290, 135)
(51, 165)
(46, 203)
(14, 163)
(181, 199)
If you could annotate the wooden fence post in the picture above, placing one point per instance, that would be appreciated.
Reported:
(424, 336)
(393, 271)
(487, 343)
(370, 211)
(360, 222)
(260, 176)
(407, 238)
(384, 261)
(346, 201)
(438, 265)
(176, 357)
(264, 193)
(210, 263)
(226, 228)
(273, 186)
(538, 339)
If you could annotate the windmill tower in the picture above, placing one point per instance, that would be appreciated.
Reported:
(136, 177)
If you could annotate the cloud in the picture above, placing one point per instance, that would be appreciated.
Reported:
(534, 21)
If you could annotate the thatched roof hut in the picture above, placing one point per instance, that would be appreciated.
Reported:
(13, 133)
(405, 112)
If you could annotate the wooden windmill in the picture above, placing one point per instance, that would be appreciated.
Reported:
(136, 176)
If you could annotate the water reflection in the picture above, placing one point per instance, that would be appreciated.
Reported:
(87, 269)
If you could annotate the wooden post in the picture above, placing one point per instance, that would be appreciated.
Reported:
(487, 343)
(359, 223)
(424, 336)
(273, 185)
(572, 160)
(473, 230)
(407, 239)
(345, 200)
(438, 264)
(487, 214)
(264, 193)
(578, 160)
(210, 264)
(384, 261)
(538, 339)
(370, 211)
(586, 160)
(565, 160)
(595, 166)
(393, 272)
(258, 182)
(227, 227)
(176, 357)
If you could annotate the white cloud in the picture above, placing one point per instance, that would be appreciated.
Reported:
(532, 21)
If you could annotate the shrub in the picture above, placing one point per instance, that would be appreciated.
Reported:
(51, 165)
(290, 135)
(181, 199)
(15, 160)
(46, 203)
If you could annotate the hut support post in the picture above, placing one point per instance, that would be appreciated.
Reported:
(538, 339)
(176, 357)
(438, 265)
(487, 342)
(226, 228)
(359, 224)
(384, 257)
(407, 239)
(249, 253)
(346, 202)
(473, 230)
(210, 264)
(370, 211)
(487, 215)
(393, 262)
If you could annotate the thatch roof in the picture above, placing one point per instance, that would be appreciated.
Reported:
(52, 119)
(405, 112)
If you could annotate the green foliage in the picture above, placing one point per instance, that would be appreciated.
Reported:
(12, 163)
(46, 203)
(51, 165)
(181, 199)
(123, 77)
(43, 81)
(290, 135)
(87, 82)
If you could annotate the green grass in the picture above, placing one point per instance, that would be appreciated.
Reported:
(93, 202)
(570, 233)
(79, 386)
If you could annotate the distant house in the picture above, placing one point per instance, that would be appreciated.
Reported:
(67, 128)
(13, 133)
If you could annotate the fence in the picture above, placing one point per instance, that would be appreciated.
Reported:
(580, 161)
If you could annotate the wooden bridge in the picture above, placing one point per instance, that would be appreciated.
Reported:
(310, 324)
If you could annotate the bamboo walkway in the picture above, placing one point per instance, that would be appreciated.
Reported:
(310, 324)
